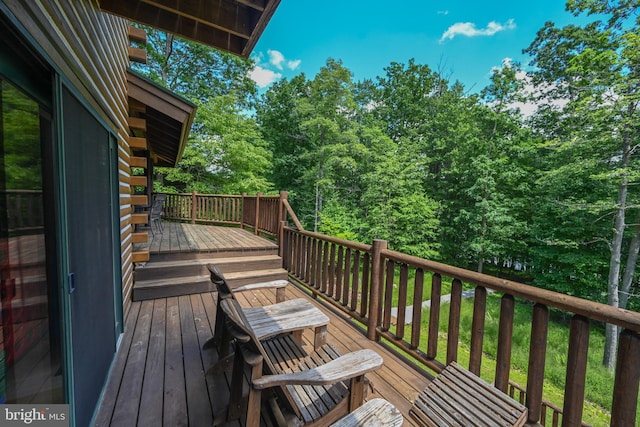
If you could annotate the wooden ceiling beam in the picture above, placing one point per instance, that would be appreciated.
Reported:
(255, 4)
(168, 21)
(232, 17)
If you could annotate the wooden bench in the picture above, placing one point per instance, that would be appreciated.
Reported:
(320, 387)
(459, 398)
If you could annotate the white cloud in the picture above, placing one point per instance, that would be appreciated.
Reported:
(268, 71)
(293, 64)
(276, 58)
(443, 12)
(263, 77)
(469, 29)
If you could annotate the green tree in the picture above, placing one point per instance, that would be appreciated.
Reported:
(594, 70)
(225, 151)
(227, 155)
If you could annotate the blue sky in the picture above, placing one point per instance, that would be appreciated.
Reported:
(462, 39)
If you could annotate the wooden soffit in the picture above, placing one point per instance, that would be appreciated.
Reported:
(230, 25)
(168, 118)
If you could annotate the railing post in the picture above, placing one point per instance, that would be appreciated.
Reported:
(257, 227)
(537, 357)
(194, 207)
(625, 389)
(375, 291)
(576, 371)
(281, 216)
(282, 211)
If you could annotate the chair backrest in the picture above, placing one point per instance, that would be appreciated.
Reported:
(156, 207)
(239, 328)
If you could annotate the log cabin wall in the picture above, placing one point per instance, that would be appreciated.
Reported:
(91, 48)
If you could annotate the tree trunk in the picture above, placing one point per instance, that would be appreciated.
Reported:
(611, 331)
(630, 267)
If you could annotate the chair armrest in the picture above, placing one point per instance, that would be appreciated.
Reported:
(350, 365)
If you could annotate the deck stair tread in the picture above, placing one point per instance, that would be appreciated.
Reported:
(159, 279)
(226, 261)
(159, 283)
(196, 267)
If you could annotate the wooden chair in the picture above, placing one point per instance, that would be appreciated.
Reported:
(155, 214)
(315, 389)
(459, 398)
(293, 316)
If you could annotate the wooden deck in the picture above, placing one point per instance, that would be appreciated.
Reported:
(183, 238)
(158, 376)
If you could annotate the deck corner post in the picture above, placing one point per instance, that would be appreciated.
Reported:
(194, 207)
(375, 290)
(282, 210)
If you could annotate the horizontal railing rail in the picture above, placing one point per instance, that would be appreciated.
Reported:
(264, 214)
(385, 290)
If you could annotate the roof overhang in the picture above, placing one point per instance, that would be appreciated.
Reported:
(231, 25)
(168, 118)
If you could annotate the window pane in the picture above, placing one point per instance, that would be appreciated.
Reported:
(30, 368)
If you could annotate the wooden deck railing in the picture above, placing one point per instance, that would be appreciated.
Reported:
(380, 288)
(262, 213)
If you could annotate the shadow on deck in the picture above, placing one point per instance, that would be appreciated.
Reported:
(158, 375)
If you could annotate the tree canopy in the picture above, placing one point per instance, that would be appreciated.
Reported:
(549, 198)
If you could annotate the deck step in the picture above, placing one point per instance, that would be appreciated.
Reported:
(161, 279)
(171, 287)
(152, 289)
(198, 267)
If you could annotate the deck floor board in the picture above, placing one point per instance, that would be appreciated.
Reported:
(178, 238)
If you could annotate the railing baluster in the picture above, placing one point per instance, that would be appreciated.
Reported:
(537, 357)
(339, 270)
(318, 263)
(355, 280)
(347, 277)
(307, 258)
(388, 295)
(325, 268)
(402, 301)
(625, 390)
(454, 320)
(364, 303)
(312, 262)
(434, 315)
(332, 270)
(477, 329)
(505, 342)
(416, 318)
(576, 371)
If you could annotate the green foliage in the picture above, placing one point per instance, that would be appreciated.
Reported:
(20, 140)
